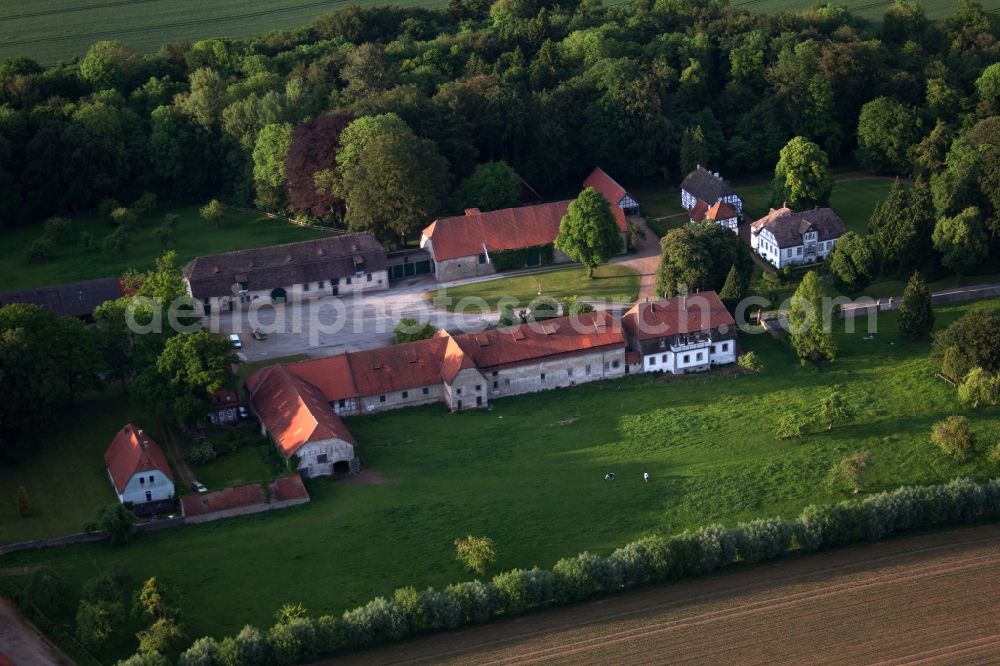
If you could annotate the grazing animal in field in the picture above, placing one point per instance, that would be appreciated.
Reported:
(645, 476)
(610, 476)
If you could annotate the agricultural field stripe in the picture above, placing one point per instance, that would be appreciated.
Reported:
(74, 8)
(176, 24)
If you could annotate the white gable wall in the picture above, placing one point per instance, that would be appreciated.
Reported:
(153, 486)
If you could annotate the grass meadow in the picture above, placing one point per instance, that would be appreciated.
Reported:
(611, 282)
(195, 236)
(529, 473)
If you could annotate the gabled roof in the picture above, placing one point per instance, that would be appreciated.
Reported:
(606, 185)
(720, 210)
(328, 258)
(706, 185)
(72, 299)
(399, 367)
(132, 452)
(693, 313)
(504, 229)
(293, 410)
(789, 226)
(529, 342)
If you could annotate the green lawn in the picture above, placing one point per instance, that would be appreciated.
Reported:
(195, 236)
(611, 282)
(852, 199)
(235, 468)
(533, 480)
(67, 481)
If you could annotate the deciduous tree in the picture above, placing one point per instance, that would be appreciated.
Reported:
(962, 241)
(852, 262)
(492, 185)
(699, 257)
(588, 233)
(802, 176)
(476, 553)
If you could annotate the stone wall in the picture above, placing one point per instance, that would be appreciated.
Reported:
(556, 373)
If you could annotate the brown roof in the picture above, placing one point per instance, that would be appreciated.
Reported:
(789, 226)
(223, 399)
(682, 314)
(606, 185)
(398, 367)
(132, 452)
(528, 342)
(294, 411)
(287, 488)
(222, 500)
(284, 265)
(699, 211)
(705, 185)
(331, 375)
(72, 299)
(505, 229)
(720, 210)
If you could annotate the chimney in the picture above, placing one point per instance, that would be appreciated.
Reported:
(684, 302)
(784, 204)
(472, 211)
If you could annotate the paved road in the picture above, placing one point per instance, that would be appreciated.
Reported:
(926, 599)
(21, 643)
(334, 325)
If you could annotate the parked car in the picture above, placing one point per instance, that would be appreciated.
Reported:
(198, 487)
(259, 334)
(244, 414)
(234, 340)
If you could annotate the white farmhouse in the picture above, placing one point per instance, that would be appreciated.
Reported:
(300, 421)
(709, 188)
(138, 469)
(784, 237)
(683, 334)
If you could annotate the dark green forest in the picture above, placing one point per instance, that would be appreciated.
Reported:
(644, 89)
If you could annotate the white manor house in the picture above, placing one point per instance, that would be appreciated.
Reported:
(784, 237)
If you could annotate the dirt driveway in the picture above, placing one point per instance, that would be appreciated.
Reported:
(22, 644)
(928, 599)
(644, 261)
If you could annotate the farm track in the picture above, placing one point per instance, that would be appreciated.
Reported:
(928, 599)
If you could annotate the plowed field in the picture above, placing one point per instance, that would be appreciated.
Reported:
(929, 599)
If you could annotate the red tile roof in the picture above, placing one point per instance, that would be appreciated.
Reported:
(294, 411)
(222, 500)
(399, 367)
(606, 185)
(133, 451)
(223, 399)
(287, 488)
(529, 342)
(505, 229)
(682, 314)
(455, 360)
(332, 376)
(699, 211)
(720, 210)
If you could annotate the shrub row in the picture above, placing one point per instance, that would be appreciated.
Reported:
(509, 260)
(652, 559)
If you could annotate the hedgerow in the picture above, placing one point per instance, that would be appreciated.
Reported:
(651, 559)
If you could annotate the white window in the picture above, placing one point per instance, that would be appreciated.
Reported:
(587, 369)
(652, 360)
(570, 372)
(798, 251)
(725, 346)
